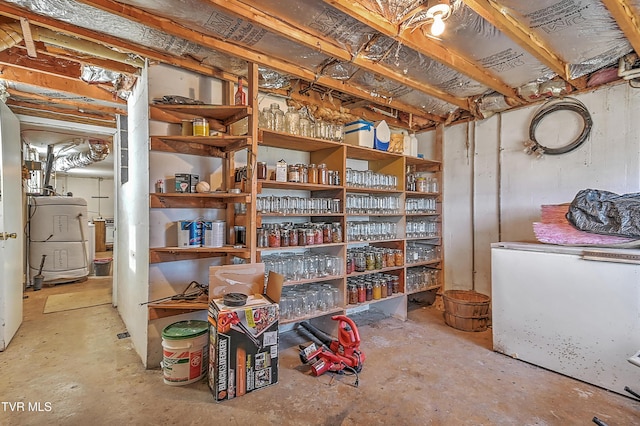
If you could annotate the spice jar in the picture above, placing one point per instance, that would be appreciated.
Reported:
(274, 237)
(389, 285)
(378, 260)
(390, 257)
(323, 174)
(294, 173)
(336, 233)
(327, 233)
(371, 261)
(383, 288)
(377, 292)
(398, 257)
(317, 235)
(262, 170)
(304, 173)
(362, 293)
(396, 284)
(369, 294)
(360, 262)
(284, 237)
(352, 294)
(293, 237)
(309, 238)
(350, 267)
(313, 173)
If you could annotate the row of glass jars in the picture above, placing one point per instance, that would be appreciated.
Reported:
(362, 259)
(422, 253)
(421, 278)
(422, 229)
(371, 231)
(372, 287)
(297, 205)
(306, 300)
(421, 182)
(299, 123)
(420, 205)
(370, 179)
(303, 266)
(310, 173)
(276, 235)
(372, 204)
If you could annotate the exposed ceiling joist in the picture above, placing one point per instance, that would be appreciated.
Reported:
(497, 16)
(87, 59)
(170, 27)
(424, 45)
(81, 106)
(109, 120)
(62, 84)
(627, 20)
(248, 10)
(61, 117)
(107, 40)
(43, 63)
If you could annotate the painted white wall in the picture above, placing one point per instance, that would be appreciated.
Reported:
(132, 273)
(90, 188)
(493, 191)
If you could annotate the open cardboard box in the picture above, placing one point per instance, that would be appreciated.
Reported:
(243, 340)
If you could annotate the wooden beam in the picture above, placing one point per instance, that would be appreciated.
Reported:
(81, 106)
(250, 11)
(61, 117)
(497, 16)
(44, 63)
(28, 38)
(424, 45)
(86, 59)
(57, 110)
(628, 21)
(174, 28)
(107, 40)
(62, 84)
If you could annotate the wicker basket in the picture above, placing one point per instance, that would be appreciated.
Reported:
(466, 324)
(466, 310)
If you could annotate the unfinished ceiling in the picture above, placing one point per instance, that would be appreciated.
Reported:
(76, 60)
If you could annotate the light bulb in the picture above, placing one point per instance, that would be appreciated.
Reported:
(437, 28)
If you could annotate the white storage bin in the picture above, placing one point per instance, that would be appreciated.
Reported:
(359, 133)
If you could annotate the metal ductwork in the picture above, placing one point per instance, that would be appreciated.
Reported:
(98, 151)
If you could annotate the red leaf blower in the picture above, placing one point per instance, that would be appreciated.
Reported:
(328, 354)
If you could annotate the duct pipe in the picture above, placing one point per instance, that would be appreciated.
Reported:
(98, 151)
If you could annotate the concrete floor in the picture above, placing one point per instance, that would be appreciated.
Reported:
(417, 372)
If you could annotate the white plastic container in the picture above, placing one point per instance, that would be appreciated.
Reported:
(185, 352)
(359, 133)
(381, 136)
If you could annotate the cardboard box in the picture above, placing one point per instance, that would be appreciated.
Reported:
(193, 181)
(243, 340)
(281, 171)
(359, 133)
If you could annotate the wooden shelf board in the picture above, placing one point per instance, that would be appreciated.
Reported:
(389, 268)
(296, 143)
(421, 194)
(422, 238)
(314, 280)
(375, 214)
(224, 113)
(423, 263)
(300, 214)
(433, 287)
(421, 214)
(214, 146)
(212, 200)
(363, 153)
(272, 184)
(423, 165)
(376, 241)
(300, 247)
(372, 302)
(172, 254)
(175, 307)
(353, 189)
(316, 315)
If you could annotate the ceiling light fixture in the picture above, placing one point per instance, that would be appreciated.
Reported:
(437, 13)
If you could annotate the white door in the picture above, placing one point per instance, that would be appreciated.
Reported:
(11, 226)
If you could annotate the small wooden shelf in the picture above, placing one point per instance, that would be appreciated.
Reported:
(272, 184)
(205, 200)
(371, 302)
(175, 307)
(421, 214)
(364, 153)
(211, 146)
(421, 194)
(422, 238)
(316, 315)
(300, 214)
(433, 287)
(312, 246)
(172, 254)
(375, 214)
(314, 280)
(395, 240)
(226, 114)
(423, 263)
(353, 189)
(389, 268)
(423, 165)
(297, 143)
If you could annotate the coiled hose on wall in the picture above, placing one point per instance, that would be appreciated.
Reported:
(564, 104)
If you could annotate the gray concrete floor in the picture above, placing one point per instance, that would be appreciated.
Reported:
(417, 372)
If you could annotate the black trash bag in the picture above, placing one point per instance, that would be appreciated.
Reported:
(603, 212)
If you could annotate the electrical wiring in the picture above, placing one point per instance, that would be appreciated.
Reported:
(562, 104)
